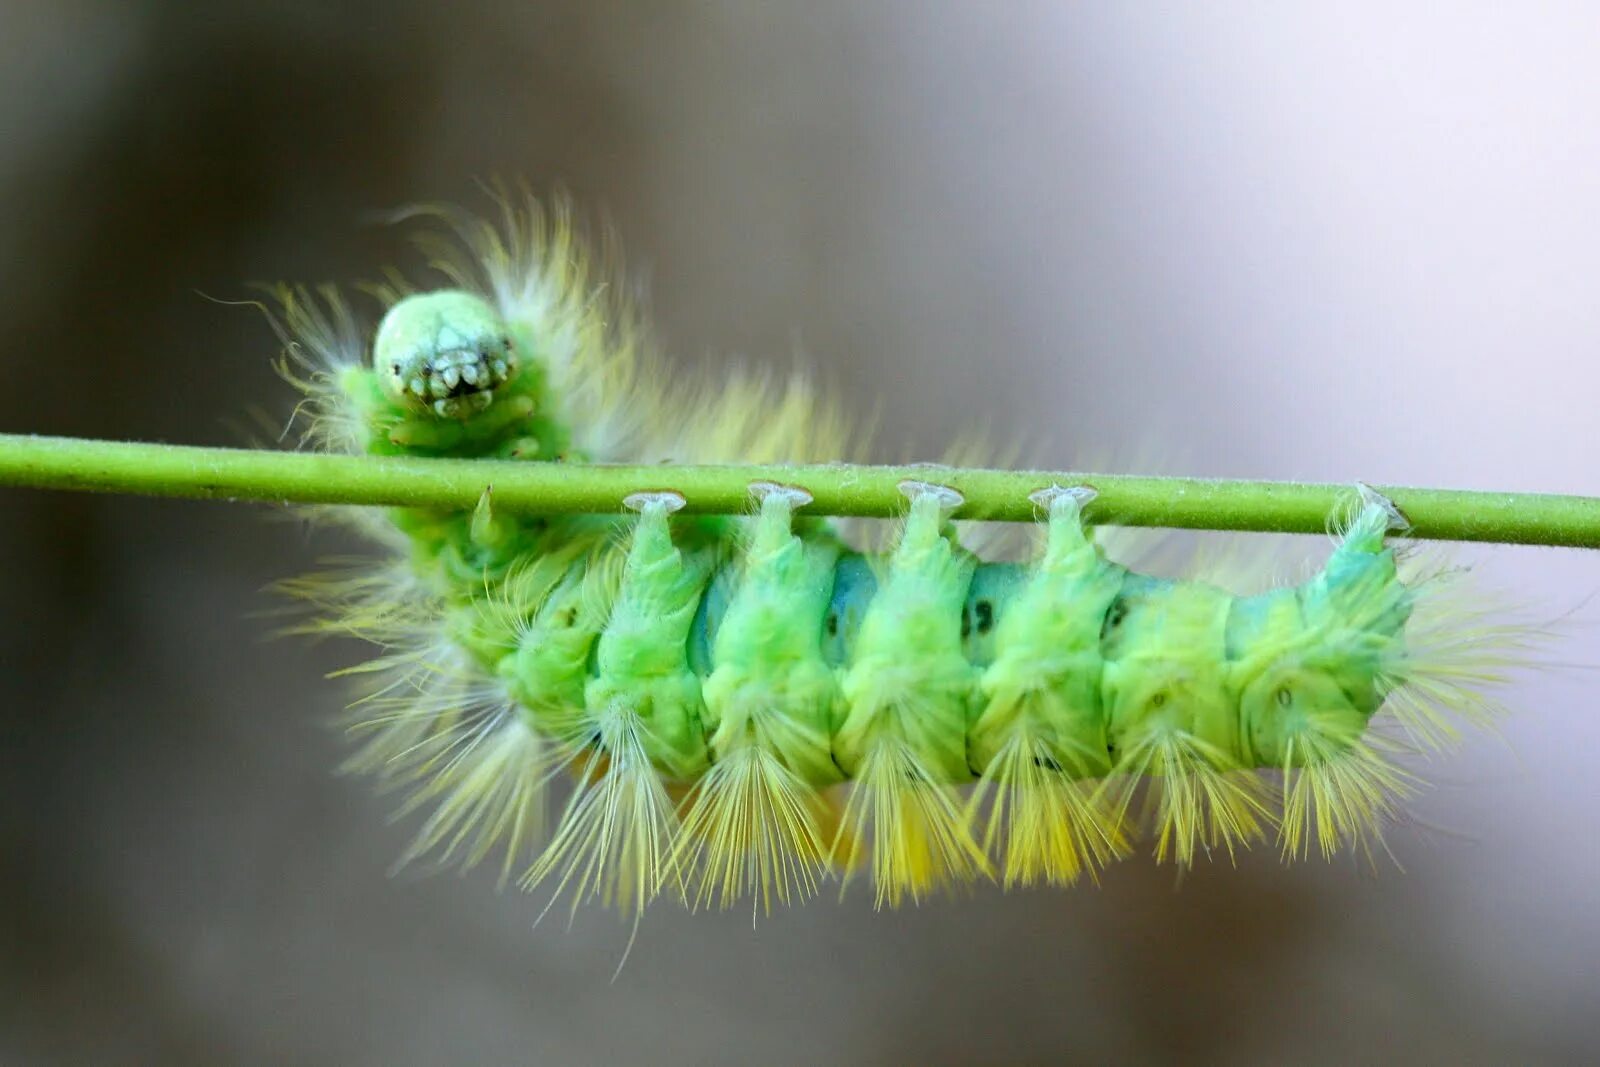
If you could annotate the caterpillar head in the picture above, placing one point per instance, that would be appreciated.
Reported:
(445, 353)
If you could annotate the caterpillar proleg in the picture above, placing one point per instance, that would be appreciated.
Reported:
(743, 706)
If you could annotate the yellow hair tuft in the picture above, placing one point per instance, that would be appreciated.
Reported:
(616, 832)
(917, 831)
(1055, 826)
(752, 828)
(1201, 799)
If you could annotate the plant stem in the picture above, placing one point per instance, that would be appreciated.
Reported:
(548, 488)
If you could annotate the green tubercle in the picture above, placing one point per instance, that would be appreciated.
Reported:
(908, 674)
(771, 684)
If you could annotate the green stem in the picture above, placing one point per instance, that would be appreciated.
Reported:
(519, 487)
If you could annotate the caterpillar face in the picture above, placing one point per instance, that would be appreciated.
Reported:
(444, 353)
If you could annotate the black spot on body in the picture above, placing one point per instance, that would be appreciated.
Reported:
(1114, 616)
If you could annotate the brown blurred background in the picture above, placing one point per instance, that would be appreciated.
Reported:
(1359, 242)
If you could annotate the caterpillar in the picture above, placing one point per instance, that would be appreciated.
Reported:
(746, 705)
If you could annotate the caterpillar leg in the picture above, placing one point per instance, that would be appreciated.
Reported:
(1040, 737)
(490, 750)
(548, 670)
(1172, 719)
(642, 720)
(1309, 677)
(908, 690)
(753, 824)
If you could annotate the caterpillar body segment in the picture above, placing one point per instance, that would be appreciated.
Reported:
(770, 703)
(908, 690)
(746, 703)
(1039, 734)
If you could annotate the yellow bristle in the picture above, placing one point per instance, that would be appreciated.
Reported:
(616, 832)
(1054, 827)
(1343, 793)
(489, 796)
(751, 828)
(1201, 799)
(917, 832)
(1460, 645)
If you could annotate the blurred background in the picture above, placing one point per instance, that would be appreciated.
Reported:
(1322, 241)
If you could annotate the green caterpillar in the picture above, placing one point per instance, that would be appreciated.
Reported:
(747, 702)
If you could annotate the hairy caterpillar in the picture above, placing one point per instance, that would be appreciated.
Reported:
(746, 702)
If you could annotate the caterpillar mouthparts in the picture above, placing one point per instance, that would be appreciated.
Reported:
(745, 701)
(445, 352)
